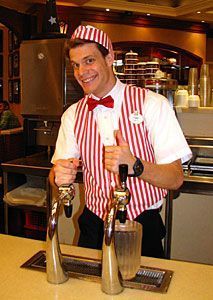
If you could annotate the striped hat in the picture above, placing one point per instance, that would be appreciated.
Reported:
(91, 33)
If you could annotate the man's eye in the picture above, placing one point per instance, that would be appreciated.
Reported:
(75, 66)
(90, 61)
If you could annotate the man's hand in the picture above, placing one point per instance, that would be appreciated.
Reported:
(65, 171)
(120, 154)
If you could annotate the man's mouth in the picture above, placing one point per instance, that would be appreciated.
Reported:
(88, 80)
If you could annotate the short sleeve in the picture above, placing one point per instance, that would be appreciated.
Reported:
(164, 130)
(66, 145)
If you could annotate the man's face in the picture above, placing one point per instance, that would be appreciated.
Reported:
(1, 108)
(92, 71)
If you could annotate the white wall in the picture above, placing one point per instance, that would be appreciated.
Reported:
(192, 234)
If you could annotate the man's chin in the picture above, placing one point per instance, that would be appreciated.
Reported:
(88, 90)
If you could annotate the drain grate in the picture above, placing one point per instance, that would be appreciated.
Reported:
(83, 267)
(150, 279)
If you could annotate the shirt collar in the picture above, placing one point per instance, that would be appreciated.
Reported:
(113, 93)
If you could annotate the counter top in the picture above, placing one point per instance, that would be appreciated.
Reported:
(35, 164)
(190, 281)
(206, 110)
(11, 131)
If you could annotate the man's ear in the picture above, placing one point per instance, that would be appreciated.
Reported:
(110, 58)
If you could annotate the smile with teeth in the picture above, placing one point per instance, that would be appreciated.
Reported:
(87, 80)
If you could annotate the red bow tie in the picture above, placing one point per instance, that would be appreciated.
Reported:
(107, 101)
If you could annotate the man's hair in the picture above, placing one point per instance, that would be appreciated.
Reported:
(71, 44)
(6, 104)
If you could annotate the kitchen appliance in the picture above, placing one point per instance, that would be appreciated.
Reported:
(48, 87)
(198, 172)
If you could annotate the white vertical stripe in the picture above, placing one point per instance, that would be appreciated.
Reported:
(97, 179)
(92, 35)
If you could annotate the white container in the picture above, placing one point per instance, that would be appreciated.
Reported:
(194, 101)
(181, 98)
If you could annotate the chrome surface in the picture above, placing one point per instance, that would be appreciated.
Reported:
(111, 278)
(201, 164)
(56, 271)
(198, 172)
(147, 278)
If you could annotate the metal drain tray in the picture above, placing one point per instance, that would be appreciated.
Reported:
(150, 279)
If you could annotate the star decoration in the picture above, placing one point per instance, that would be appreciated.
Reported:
(52, 20)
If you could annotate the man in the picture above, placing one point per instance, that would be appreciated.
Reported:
(137, 128)
(8, 119)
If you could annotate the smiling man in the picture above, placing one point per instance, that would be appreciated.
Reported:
(117, 124)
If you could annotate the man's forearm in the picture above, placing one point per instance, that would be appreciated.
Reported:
(168, 176)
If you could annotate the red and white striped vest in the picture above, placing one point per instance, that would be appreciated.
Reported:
(97, 180)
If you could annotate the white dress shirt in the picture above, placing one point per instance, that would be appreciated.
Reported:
(165, 133)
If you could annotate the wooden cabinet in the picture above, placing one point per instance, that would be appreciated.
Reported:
(1, 64)
(13, 68)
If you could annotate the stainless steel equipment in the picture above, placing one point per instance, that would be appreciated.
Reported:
(85, 268)
(48, 87)
(111, 280)
(198, 172)
(56, 272)
(198, 179)
(47, 82)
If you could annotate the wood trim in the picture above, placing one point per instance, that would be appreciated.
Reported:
(139, 44)
(128, 18)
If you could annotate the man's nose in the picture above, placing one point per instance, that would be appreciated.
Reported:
(81, 70)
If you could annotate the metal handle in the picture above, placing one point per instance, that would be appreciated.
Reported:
(123, 172)
(67, 193)
(68, 210)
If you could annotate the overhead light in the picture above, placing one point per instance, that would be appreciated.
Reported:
(63, 27)
(148, 14)
(198, 12)
(202, 21)
(107, 9)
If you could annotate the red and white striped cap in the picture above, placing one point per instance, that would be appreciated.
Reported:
(91, 33)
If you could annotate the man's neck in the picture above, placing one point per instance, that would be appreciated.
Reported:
(112, 86)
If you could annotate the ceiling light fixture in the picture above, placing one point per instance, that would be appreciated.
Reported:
(202, 21)
(148, 14)
(198, 12)
(63, 27)
(107, 9)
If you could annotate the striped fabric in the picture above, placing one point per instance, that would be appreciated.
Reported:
(98, 181)
(91, 33)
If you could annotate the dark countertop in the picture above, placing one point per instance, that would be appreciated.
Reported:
(37, 164)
